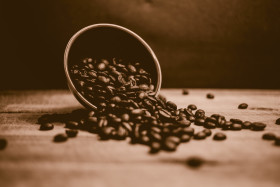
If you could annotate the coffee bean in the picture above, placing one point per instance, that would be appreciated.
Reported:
(3, 143)
(269, 136)
(200, 135)
(277, 121)
(210, 96)
(71, 132)
(137, 112)
(209, 125)
(60, 138)
(211, 119)
(125, 117)
(184, 122)
(171, 143)
(246, 125)
(238, 121)
(208, 132)
(200, 113)
(171, 105)
(101, 66)
(46, 126)
(195, 162)
(219, 136)
(72, 124)
(191, 118)
(91, 114)
(227, 125)
(144, 87)
(192, 107)
(155, 147)
(199, 121)
(188, 131)
(164, 115)
(185, 92)
(185, 138)
(92, 120)
(236, 126)
(257, 126)
(277, 140)
(243, 106)
(216, 116)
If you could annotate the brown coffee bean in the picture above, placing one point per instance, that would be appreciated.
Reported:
(155, 147)
(60, 138)
(192, 107)
(269, 136)
(185, 138)
(208, 132)
(243, 106)
(219, 136)
(257, 126)
(3, 143)
(71, 132)
(46, 126)
(246, 125)
(72, 125)
(200, 135)
(210, 96)
(199, 121)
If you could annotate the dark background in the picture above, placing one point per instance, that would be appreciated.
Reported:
(199, 43)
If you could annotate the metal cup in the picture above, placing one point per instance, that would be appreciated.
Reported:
(108, 41)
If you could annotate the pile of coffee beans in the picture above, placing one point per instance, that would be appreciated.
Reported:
(127, 107)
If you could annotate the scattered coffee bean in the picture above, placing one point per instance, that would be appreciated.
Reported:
(3, 143)
(269, 136)
(227, 125)
(46, 126)
(200, 113)
(246, 125)
(208, 132)
(72, 124)
(71, 132)
(236, 127)
(238, 121)
(185, 138)
(60, 138)
(277, 121)
(199, 121)
(192, 107)
(210, 96)
(209, 125)
(200, 135)
(243, 106)
(195, 162)
(185, 92)
(219, 136)
(257, 126)
(155, 147)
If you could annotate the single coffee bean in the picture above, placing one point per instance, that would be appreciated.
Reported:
(91, 114)
(209, 125)
(200, 113)
(191, 118)
(192, 107)
(277, 121)
(277, 140)
(171, 105)
(236, 127)
(3, 143)
(219, 136)
(71, 132)
(164, 114)
(92, 120)
(269, 136)
(216, 116)
(131, 68)
(199, 121)
(243, 106)
(121, 133)
(210, 96)
(185, 92)
(188, 131)
(127, 126)
(125, 117)
(257, 126)
(145, 139)
(46, 126)
(200, 135)
(227, 125)
(188, 112)
(185, 138)
(238, 121)
(208, 132)
(246, 125)
(155, 147)
(185, 122)
(211, 119)
(101, 66)
(195, 162)
(116, 99)
(72, 124)
(171, 143)
(137, 112)
(60, 138)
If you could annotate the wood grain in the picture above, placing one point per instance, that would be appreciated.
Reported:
(32, 159)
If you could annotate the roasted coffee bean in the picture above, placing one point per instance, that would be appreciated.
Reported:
(164, 114)
(131, 68)
(191, 118)
(106, 132)
(257, 126)
(200, 113)
(277, 140)
(216, 116)
(185, 122)
(71, 132)
(200, 135)
(101, 66)
(46, 126)
(185, 92)
(3, 143)
(211, 119)
(210, 96)
(145, 139)
(60, 138)
(209, 125)
(219, 136)
(227, 125)
(185, 138)
(137, 112)
(92, 120)
(188, 131)
(236, 127)
(155, 147)
(277, 121)
(208, 132)
(243, 106)
(238, 121)
(195, 162)
(199, 121)
(246, 125)
(127, 126)
(188, 112)
(144, 87)
(72, 125)
(171, 143)
(171, 105)
(142, 95)
(155, 136)
(121, 133)
(192, 107)
(269, 136)
(102, 122)
(91, 114)
(125, 117)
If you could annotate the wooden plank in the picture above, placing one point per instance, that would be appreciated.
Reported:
(32, 159)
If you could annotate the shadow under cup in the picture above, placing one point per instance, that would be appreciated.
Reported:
(107, 41)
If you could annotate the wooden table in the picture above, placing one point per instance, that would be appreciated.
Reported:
(32, 159)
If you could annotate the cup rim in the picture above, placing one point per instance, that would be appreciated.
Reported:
(71, 86)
